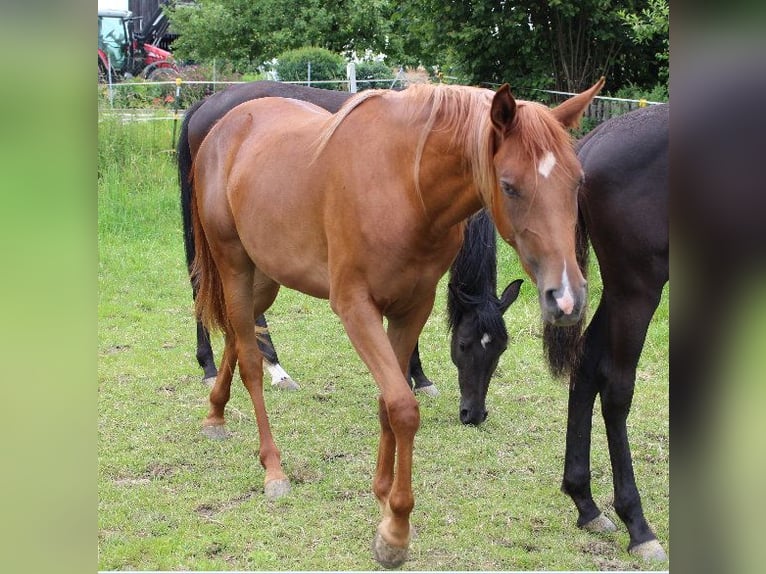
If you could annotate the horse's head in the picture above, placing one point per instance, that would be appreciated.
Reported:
(534, 205)
(479, 337)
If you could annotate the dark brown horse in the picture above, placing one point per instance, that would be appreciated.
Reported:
(624, 210)
(381, 219)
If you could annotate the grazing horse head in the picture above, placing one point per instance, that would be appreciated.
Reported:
(479, 337)
(534, 203)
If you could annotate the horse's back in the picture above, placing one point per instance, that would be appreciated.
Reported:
(216, 106)
(625, 201)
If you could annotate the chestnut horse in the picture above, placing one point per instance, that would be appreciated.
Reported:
(380, 192)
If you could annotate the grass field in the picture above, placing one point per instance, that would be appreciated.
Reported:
(487, 498)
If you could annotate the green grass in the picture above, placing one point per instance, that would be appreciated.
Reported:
(487, 498)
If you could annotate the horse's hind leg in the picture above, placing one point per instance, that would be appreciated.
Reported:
(214, 424)
(279, 377)
(205, 356)
(418, 380)
(245, 298)
(262, 293)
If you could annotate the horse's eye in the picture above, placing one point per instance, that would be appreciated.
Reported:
(509, 190)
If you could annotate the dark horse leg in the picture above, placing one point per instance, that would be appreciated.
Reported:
(611, 349)
(419, 382)
(206, 359)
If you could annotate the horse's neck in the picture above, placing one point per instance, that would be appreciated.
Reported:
(448, 190)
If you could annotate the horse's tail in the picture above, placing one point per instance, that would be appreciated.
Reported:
(209, 304)
(563, 345)
(185, 161)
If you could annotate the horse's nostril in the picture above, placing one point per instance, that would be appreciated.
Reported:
(550, 298)
(464, 416)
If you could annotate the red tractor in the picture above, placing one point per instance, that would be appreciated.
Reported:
(124, 53)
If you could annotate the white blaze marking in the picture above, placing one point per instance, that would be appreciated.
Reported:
(566, 301)
(276, 371)
(547, 164)
(485, 338)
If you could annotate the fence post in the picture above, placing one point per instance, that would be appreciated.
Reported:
(109, 79)
(351, 77)
(309, 74)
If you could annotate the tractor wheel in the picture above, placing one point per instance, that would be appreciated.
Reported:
(160, 74)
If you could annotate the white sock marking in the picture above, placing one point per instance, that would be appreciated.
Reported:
(277, 372)
(547, 164)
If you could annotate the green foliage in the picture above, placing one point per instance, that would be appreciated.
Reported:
(659, 93)
(563, 44)
(252, 33)
(646, 26)
(293, 65)
(372, 70)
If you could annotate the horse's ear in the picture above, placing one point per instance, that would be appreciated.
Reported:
(570, 112)
(503, 110)
(510, 294)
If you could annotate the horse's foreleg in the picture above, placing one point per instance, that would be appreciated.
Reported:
(399, 418)
(627, 328)
(583, 388)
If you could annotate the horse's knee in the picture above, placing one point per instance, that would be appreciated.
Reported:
(616, 398)
(403, 414)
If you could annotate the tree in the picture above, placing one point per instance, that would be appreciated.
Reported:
(250, 33)
(561, 44)
(652, 23)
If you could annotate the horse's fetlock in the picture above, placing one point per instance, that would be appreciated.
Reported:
(576, 482)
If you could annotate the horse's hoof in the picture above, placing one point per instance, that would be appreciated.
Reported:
(429, 390)
(600, 524)
(209, 382)
(386, 555)
(651, 551)
(276, 488)
(286, 384)
(215, 432)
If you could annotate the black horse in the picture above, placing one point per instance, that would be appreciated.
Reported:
(479, 335)
(624, 210)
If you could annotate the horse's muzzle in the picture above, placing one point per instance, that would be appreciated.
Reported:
(563, 307)
(473, 416)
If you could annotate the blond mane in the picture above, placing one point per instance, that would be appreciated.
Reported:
(464, 112)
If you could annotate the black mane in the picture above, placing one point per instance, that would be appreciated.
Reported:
(473, 277)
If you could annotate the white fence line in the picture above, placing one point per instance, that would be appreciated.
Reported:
(161, 114)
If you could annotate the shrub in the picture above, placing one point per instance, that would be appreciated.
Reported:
(369, 71)
(292, 66)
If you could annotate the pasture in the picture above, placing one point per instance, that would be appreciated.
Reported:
(487, 498)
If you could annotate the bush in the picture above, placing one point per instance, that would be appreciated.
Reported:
(292, 66)
(659, 93)
(369, 71)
